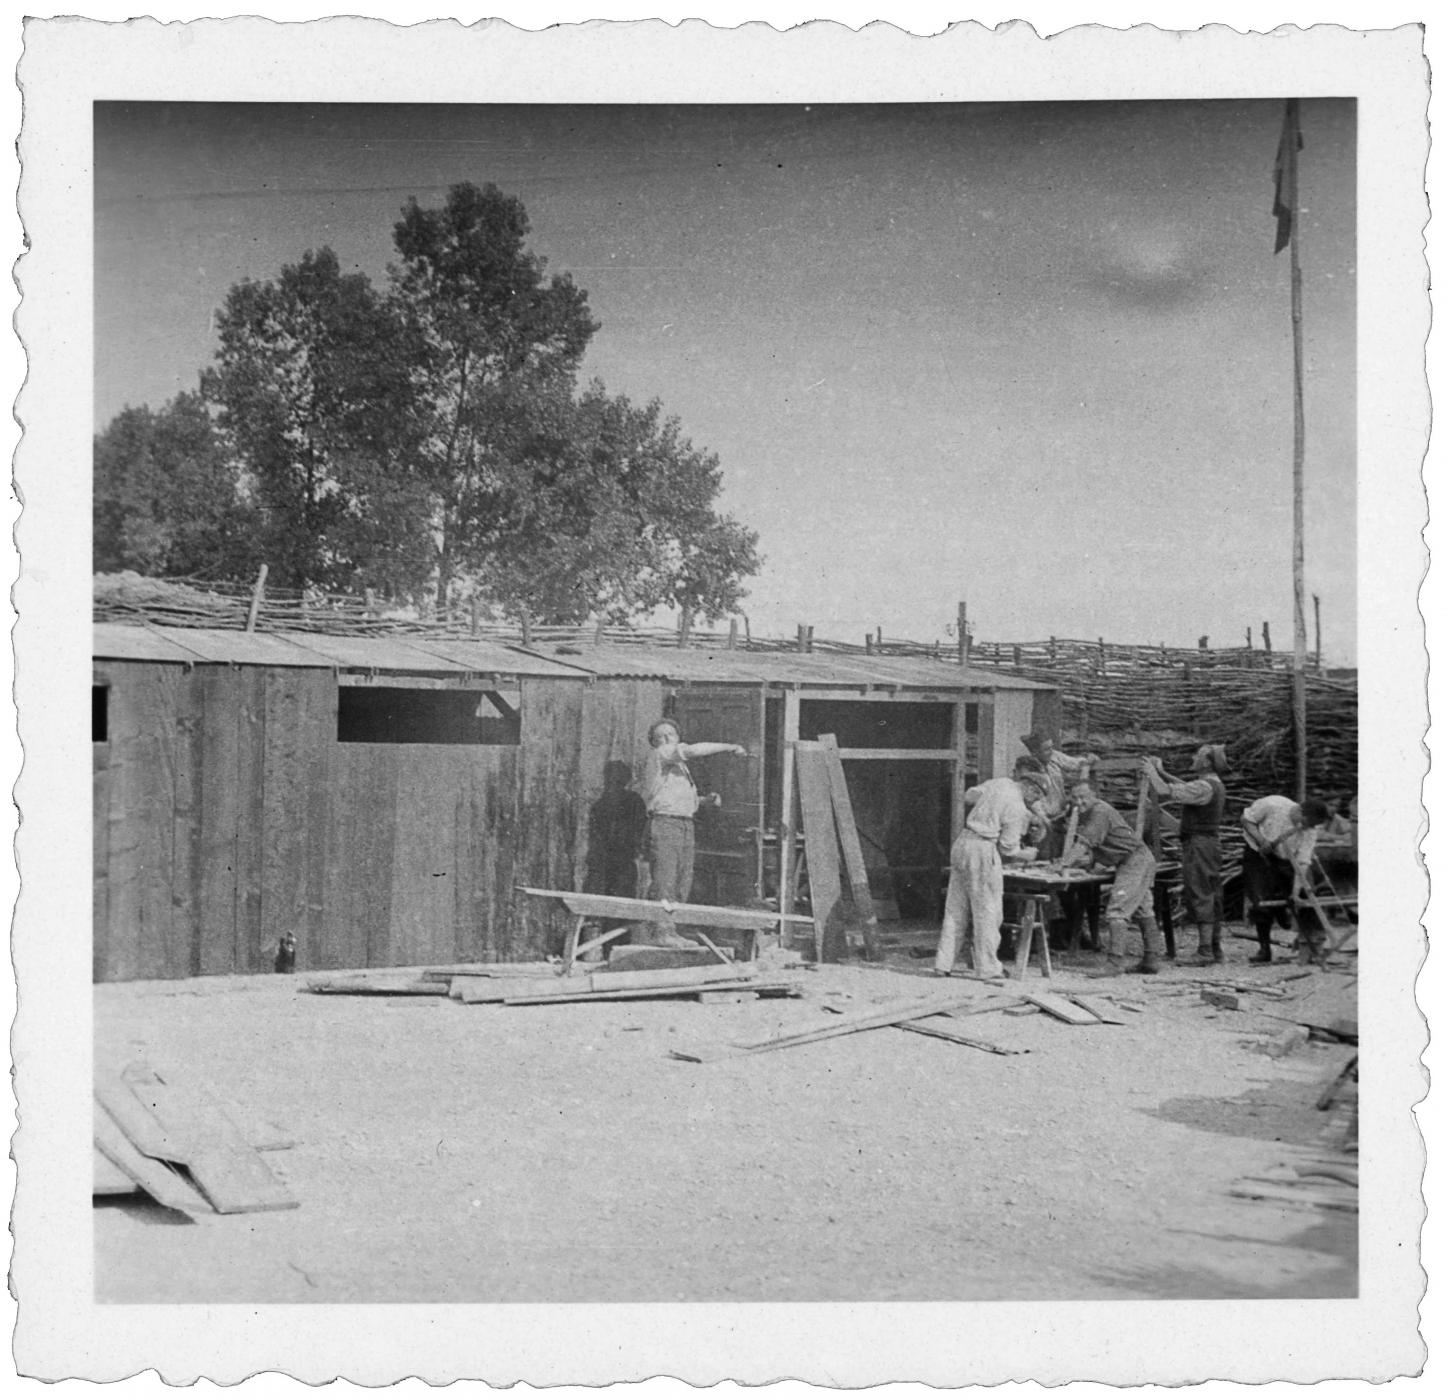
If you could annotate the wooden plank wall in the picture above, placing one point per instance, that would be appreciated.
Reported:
(226, 814)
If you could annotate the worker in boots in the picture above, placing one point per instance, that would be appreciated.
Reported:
(1276, 862)
(1104, 838)
(1203, 805)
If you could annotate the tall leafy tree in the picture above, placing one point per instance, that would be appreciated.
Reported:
(490, 333)
(313, 377)
(167, 495)
(430, 438)
(608, 509)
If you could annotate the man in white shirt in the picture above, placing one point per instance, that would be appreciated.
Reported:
(1280, 840)
(672, 799)
(996, 822)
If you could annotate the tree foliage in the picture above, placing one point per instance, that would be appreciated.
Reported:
(431, 438)
(312, 378)
(167, 496)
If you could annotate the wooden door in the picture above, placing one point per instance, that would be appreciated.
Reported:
(726, 870)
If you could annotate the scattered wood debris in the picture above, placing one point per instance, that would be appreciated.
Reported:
(182, 1147)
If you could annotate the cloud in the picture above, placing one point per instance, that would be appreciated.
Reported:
(1151, 267)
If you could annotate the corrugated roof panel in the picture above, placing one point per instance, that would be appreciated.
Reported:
(120, 641)
(486, 657)
(240, 648)
(451, 656)
(822, 669)
(371, 653)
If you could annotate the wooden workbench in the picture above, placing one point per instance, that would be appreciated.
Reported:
(623, 914)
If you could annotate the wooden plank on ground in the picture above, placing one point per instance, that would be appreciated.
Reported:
(911, 1009)
(107, 1179)
(480, 989)
(225, 1167)
(1309, 1198)
(1061, 1009)
(448, 972)
(162, 1183)
(821, 849)
(376, 986)
(720, 989)
(1100, 1009)
(854, 866)
(929, 1027)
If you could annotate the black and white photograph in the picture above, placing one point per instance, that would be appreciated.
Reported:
(712, 691)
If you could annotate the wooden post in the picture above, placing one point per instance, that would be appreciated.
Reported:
(962, 627)
(256, 594)
(476, 611)
(879, 638)
(789, 737)
(1316, 605)
(1266, 639)
(733, 634)
(1140, 806)
(685, 625)
(527, 625)
(869, 644)
(369, 602)
(801, 638)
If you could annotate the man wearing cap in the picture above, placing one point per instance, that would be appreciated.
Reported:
(1280, 842)
(1060, 770)
(1104, 837)
(1203, 804)
(997, 819)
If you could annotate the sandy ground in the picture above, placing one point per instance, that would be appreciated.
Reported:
(450, 1153)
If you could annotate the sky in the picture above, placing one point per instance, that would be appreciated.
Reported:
(1035, 356)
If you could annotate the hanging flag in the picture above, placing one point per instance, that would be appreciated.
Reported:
(1284, 205)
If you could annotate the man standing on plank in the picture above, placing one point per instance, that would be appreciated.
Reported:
(1280, 841)
(997, 816)
(672, 799)
(1104, 837)
(1203, 804)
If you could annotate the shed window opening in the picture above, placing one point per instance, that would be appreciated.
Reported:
(100, 697)
(393, 715)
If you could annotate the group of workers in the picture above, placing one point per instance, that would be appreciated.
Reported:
(1024, 818)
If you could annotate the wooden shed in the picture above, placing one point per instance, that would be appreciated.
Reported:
(381, 798)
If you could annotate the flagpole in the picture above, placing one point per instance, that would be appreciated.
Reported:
(1288, 235)
(1298, 466)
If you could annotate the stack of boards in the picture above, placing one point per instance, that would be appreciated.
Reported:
(632, 974)
(183, 1148)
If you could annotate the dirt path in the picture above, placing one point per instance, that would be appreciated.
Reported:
(555, 1153)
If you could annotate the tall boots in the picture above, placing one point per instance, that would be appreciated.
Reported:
(1150, 962)
(1208, 952)
(1263, 937)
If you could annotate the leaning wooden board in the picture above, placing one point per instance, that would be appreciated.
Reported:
(200, 1136)
(854, 869)
(158, 1180)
